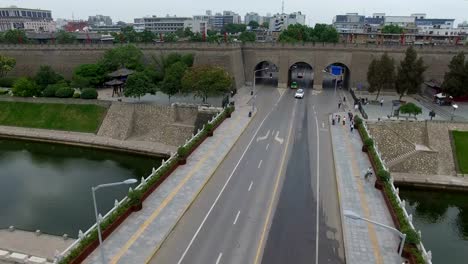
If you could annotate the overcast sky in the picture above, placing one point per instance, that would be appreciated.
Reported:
(315, 11)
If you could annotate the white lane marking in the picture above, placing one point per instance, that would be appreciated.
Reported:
(250, 186)
(219, 257)
(260, 164)
(267, 146)
(222, 189)
(317, 193)
(280, 140)
(237, 217)
(264, 137)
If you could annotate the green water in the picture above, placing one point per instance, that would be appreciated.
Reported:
(442, 218)
(48, 186)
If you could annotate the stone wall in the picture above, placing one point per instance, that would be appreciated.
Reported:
(118, 123)
(422, 162)
(390, 144)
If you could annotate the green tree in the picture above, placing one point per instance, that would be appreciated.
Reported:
(248, 36)
(265, 25)
(234, 28)
(129, 34)
(138, 84)
(147, 36)
(206, 81)
(128, 56)
(392, 29)
(410, 73)
(6, 65)
(253, 24)
(170, 37)
(15, 36)
(381, 74)
(197, 37)
(372, 75)
(325, 33)
(45, 76)
(411, 109)
(63, 37)
(303, 33)
(455, 80)
(171, 83)
(88, 74)
(187, 59)
(25, 87)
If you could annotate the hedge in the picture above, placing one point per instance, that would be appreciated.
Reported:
(136, 195)
(7, 82)
(50, 91)
(64, 92)
(89, 93)
(412, 237)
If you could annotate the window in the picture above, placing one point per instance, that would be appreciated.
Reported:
(29, 14)
(23, 13)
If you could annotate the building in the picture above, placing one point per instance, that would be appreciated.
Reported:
(76, 25)
(219, 20)
(162, 25)
(199, 24)
(374, 24)
(349, 23)
(436, 26)
(253, 17)
(36, 20)
(281, 22)
(99, 20)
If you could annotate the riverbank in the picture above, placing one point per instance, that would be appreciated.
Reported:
(88, 140)
(434, 182)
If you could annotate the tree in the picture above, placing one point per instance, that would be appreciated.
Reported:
(128, 56)
(303, 33)
(410, 108)
(381, 74)
(15, 36)
(63, 37)
(372, 75)
(455, 80)
(129, 34)
(88, 74)
(253, 24)
(187, 59)
(206, 81)
(170, 37)
(197, 37)
(392, 29)
(410, 73)
(171, 83)
(138, 84)
(25, 87)
(265, 25)
(6, 65)
(248, 36)
(147, 36)
(234, 28)
(325, 33)
(45, 76)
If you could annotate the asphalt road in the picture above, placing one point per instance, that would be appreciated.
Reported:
(261, 204)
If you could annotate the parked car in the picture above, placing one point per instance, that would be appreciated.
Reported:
(299, 94)
(443, 99)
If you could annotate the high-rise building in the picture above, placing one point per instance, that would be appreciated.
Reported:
(253, 17)
(37, 20)
(281, 22)
(218, 21)
(349, 23)
(162, 25)
(100, 20)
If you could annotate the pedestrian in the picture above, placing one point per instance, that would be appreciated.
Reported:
(381, 102)
(333, 120)
(339, 117)
(344, 99)
(356, 107)
(344, 120)
(339, 104)
(368, 173)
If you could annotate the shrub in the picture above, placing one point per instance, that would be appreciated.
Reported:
(3, 92)
(24, 87)
(89, 93)
(64, 92)
(209, 127)
(50, 90)
(7, 82)
(368, 142)
(76, 95)
(135, 196)
(182, 152)
(383, 174)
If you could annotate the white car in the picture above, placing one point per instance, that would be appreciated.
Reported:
(299, 94)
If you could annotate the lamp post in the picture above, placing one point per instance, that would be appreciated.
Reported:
(98, 221)
(355, 216)
(253, 90)
(455, 107)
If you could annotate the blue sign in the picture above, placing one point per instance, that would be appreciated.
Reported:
(336, 70)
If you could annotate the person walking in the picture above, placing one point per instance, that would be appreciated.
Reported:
(356, 107)
(381, 102)
(344, 98)
(368, 173)
(351, 127)
(339, 104)
(339, 117)
(344, 120)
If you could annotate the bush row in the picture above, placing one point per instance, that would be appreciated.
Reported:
(412, 237)
(135, 196)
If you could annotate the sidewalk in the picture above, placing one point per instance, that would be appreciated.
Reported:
(364, 242)
(136, 240)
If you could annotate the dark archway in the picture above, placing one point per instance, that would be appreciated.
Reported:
(302, 74)
(342, 81)
(267, 77)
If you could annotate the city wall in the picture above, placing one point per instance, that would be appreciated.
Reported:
(238, 59)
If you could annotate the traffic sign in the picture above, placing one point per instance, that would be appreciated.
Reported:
(336, 70)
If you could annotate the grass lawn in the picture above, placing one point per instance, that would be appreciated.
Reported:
(461, 149)
(69, 117)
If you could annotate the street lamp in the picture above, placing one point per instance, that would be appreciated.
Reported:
(253, 90)
(455, 107)
(98, 221)
(355, 216)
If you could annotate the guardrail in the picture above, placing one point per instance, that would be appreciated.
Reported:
(117, 204)
(427, 255)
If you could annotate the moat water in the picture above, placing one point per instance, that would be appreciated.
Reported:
(442, 218)
(48, 186)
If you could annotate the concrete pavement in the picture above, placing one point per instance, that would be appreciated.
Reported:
(364, 242)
